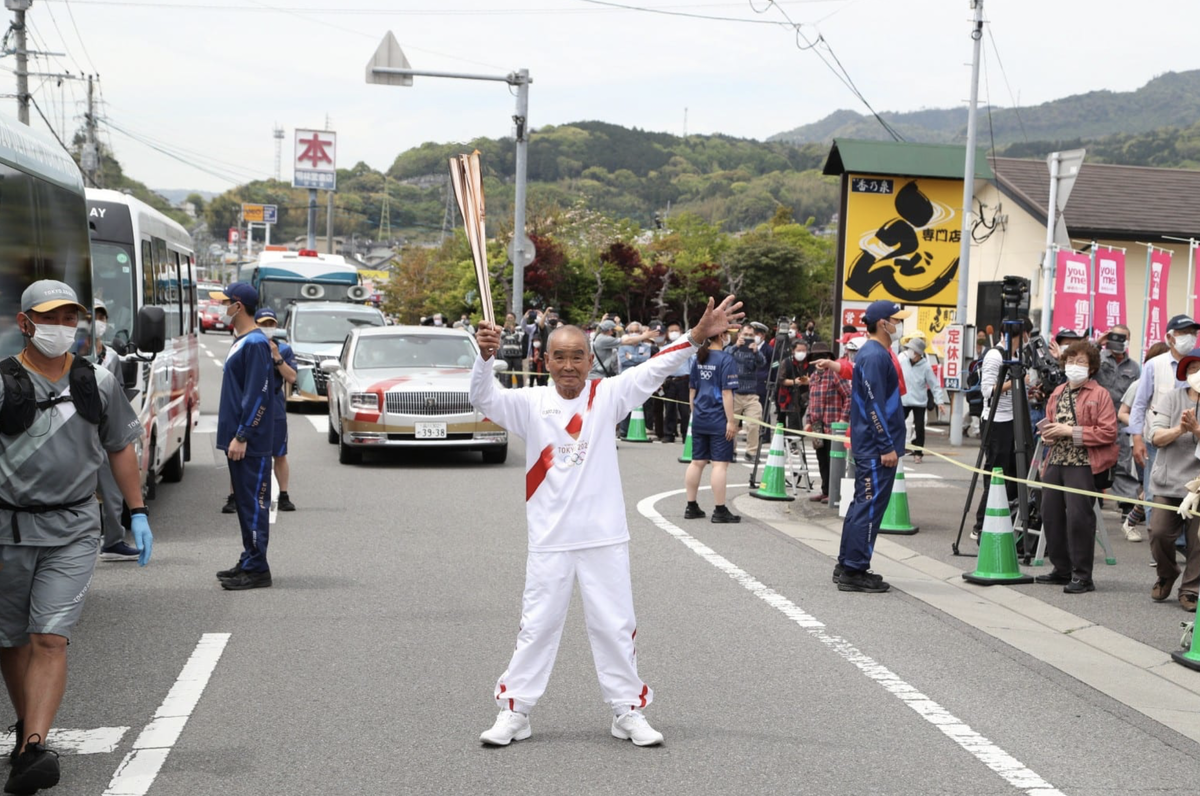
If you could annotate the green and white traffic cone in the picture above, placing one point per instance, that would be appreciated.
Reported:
(637, 426)
(772, 486)
(1191, 658)
(997, 562)
(896, 519)
(686, 456)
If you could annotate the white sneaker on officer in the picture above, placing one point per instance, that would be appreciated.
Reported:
(510, 726)
(1131, 532)
(634, 727)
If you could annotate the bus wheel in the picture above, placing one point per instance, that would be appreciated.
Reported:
(172, 471)
(187, 439)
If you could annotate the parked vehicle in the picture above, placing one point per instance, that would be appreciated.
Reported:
(316, 331)
(212, 319)
(142, 259)
(407, 386)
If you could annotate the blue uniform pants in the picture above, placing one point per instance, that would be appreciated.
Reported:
(872, 491)
(251, 477)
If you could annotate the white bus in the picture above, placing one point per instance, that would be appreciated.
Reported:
(141, 258)
(285, 277)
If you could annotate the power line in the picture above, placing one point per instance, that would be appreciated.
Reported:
(86, 54)
(665, 12)
(1016, 105)
(162, 150)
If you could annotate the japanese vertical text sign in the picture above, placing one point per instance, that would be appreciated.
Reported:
(1110, 289)
(953, 364)
(1158, 271)
(902, 239)
(315, 164)
(1072, 292)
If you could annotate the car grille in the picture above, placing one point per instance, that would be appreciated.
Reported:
(428, 403)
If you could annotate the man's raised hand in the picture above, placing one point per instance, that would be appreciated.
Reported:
(717, 319)
(488, 337)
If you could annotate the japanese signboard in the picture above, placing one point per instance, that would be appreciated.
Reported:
(1158, 269)
(853, 316)
(952, 366)
(902, 239)
(1072, 292)
(932, 322)
(315, 164)
(234, 235)
(1110, 289)
(260, 214)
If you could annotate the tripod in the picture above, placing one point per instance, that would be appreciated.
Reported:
(1013, 371)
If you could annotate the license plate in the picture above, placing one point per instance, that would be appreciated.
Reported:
(431, 430)
(220, 326)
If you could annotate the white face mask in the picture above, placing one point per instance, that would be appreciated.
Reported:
(1184, 343)
(759, 339)
(101, 328)
(895, 333)
(672, 336)
(914, 356)
(1076, 374)
(800, 355)
(1193, 381)
(227, 318)
(53, 341)
(791, 332)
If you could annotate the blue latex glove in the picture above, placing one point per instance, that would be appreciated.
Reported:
(143, 539)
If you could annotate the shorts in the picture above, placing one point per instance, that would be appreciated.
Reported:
(42, 588)
(279, 437)
(711, 447)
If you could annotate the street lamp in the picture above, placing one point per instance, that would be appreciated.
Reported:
(389, 67)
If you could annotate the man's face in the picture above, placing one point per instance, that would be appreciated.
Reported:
(268, 323)
(65, 315)
(633, 328)
(568, 359)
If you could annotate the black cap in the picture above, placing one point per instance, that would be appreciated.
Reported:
(1181, 322)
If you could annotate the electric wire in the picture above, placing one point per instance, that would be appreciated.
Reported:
(174, 156)
(82, 44)
(1004, 74)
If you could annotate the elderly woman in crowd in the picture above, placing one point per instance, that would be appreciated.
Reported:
(1080, 429)
(919, 381)
(1175, 431)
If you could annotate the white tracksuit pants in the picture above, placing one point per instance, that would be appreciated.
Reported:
(603, 575)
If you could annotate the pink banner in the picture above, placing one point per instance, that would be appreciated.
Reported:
(1158, 269)
(1072, 292)
(1110, 290)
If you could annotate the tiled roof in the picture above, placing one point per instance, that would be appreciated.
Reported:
(1133, 202)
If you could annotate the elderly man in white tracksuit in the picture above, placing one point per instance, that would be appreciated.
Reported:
(576, 517)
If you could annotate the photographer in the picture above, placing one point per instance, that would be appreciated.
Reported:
(1081, 430)
(793, 386)
(512, 351)
(745, 398)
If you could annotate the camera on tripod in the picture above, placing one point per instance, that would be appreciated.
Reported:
(1038, 359)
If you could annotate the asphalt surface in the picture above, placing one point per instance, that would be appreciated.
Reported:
(368, 668)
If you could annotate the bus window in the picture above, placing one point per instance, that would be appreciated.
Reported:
(18, 249)
(148, 295)
(63, 232)
(114, 277)
(189, 294)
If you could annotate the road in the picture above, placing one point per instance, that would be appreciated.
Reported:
(368, 668)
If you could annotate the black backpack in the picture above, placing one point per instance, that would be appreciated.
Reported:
(21, 406)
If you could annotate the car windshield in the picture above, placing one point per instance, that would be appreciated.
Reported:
(413, 351)
(332, 325)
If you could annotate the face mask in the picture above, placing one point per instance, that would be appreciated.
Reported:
(895, 333)
(810, 328)
(791, 332)
(914, 356)
(1184, 343)
(101, 328)
(227, 318)
(1076, 374)
(437, 322)
(1193, 381)
(672, 336)
(53, 341)
(800, 355)
(537, 345)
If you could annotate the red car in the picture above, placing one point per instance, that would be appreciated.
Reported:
(212, 319)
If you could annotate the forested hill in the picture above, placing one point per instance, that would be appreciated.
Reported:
(619, 172)
(1169, 100)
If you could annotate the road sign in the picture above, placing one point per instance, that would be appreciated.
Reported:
(315, 163)
(260, 214)
(235, 235)
(389, 55)
(521, 252)
(952, 368)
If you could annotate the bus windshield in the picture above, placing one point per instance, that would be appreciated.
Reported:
(332, 326)
(113, 275)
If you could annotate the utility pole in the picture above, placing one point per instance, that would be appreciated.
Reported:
(19, 7)
(278, 133)
(89, 158)
(964, 252)
(329, 224)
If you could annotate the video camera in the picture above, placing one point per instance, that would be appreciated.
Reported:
(1036, 354)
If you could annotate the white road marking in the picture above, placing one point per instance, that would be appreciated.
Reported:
(320, 422)
(1009, 768)
(138, 770)
(99, 741)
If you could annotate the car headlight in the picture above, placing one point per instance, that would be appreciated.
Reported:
(364, 402)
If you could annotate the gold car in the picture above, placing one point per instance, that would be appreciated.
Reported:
(407, 387)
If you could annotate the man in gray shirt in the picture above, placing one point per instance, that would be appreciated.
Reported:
(62, 420)
(604, 349)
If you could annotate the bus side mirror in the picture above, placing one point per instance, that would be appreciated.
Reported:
(150, 330)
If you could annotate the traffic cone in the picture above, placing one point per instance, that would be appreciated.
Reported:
(772, 485)
(997, 562)
(637, 426)
(686, 456)
(1191, 658)
(895, 518)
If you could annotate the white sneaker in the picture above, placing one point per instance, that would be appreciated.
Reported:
(634, 727)
(510, 726)
(1131, 532)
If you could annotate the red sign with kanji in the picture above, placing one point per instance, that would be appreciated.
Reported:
(315, 163)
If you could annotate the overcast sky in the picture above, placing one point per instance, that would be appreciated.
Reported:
(210, 78)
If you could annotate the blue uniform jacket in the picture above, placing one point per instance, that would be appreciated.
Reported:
(247, 405)
(876, 415)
